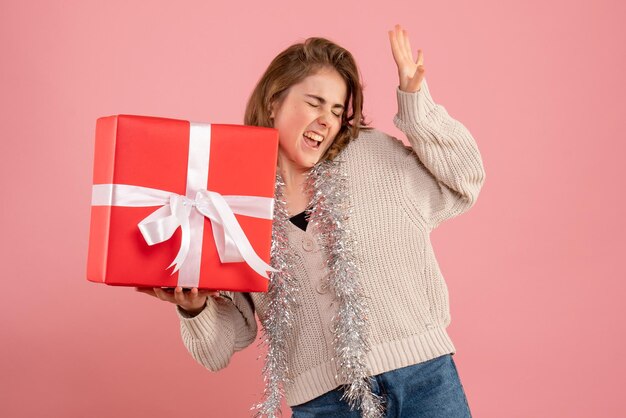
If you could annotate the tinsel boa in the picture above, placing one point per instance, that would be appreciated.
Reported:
(329, 210)
(282, 295)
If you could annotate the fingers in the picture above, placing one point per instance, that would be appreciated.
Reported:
(191, 298)
(401, 35)
(164, 294)
(401, 46)
(407, 42)
(180, 297)
(395, 48)
(398, 43)
(398, 47)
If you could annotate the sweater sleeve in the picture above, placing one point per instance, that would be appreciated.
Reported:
(444, 172)
(225, 325)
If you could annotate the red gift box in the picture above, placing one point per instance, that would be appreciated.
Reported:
(198, 194)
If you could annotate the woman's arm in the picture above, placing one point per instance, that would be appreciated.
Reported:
(444, 173)
(225, 325)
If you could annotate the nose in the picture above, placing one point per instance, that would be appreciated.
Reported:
(324, 119)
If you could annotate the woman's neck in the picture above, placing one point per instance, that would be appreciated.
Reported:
(294, 192)
(294, 177)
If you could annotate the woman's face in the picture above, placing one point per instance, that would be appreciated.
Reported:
(309, 117)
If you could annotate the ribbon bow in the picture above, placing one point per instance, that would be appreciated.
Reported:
(176, 211)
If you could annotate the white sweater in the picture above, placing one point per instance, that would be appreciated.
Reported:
(399, 194)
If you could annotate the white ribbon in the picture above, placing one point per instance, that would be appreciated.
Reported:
(231, 242)
(177, 211)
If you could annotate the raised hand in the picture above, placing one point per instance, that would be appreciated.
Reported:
(410, 72)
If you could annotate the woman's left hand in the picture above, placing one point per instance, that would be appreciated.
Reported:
(411, 73)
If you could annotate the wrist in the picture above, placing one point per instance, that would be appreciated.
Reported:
(193, 312)
(406, 90)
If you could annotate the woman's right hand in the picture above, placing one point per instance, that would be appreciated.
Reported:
(191, 302)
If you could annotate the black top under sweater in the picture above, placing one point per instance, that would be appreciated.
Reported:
(300, 220)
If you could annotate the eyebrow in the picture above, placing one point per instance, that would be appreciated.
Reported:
(323, 101)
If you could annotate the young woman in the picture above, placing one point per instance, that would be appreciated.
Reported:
(355, 318)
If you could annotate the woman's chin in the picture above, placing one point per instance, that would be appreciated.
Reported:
(309, 157)
(309, 163)
(303, 157)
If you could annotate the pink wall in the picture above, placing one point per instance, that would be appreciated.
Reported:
(534, 270)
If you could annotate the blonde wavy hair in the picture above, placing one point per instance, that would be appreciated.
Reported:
(296, 63)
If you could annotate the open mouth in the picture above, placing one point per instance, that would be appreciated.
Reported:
(310, 141)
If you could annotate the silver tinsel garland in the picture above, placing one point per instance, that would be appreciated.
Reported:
(330, 208)
(283, 295)
(329, 213)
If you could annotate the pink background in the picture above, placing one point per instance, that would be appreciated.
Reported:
(534, 269)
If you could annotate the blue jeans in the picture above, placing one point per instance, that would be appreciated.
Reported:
(431, 389)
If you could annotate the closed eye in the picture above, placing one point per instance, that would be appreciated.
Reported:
(314, 105)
